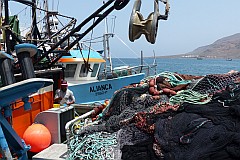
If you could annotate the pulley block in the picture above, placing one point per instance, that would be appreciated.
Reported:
(138, 25)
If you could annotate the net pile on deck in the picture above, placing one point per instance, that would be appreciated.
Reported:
(170, 116)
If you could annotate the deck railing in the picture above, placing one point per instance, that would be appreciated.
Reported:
(147, 69)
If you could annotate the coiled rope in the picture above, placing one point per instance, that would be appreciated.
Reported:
(174, 79)
(189, 96)
(99, 145)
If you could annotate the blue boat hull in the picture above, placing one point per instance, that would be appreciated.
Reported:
(101, 90)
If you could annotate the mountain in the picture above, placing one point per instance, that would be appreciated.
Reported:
(227, 47)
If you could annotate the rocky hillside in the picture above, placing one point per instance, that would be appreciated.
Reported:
(227, 47)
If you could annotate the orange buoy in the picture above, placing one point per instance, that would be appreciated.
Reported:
(169, 91)
(151, 83)
(106, 102)
(38, 137)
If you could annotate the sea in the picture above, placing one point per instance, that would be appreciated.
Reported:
(189, 66)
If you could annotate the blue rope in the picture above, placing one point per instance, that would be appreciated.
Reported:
(189, 96)
(174, 79)
(99, 145)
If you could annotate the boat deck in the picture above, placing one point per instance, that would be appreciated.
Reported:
(55, 151)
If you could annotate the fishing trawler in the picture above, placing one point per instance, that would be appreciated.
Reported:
(89, 82)
(44, 59)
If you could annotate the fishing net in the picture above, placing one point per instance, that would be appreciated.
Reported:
(124, 105)
(216, 82)
(130, 135)
(127, 125)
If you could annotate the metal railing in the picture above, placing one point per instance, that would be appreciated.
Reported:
(147, 69)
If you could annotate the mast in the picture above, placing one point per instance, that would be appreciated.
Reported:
(141, 62)
(154, 63)
(47, 19)
(105, 51)
(34, 19)
(7, 32)
(106, 46)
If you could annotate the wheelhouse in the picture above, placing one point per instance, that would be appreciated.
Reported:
(76, 68)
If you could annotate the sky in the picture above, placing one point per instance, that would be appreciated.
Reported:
(190, 24)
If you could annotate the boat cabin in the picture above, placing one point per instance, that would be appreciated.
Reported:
(76, 69)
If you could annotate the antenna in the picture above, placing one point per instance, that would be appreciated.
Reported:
(154, 63)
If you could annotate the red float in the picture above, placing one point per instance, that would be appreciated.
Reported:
(38, 137)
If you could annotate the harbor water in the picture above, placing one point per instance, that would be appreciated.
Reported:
(185, 65)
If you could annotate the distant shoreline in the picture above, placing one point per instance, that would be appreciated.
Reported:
(178, 56)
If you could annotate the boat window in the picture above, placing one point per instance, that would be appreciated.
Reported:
(84, 71)
(95, 69)
(70, 70)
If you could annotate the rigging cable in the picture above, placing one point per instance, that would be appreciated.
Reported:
(22, 10)
(89, 50)
(92, 39)
(132, 51)
(88, 67)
